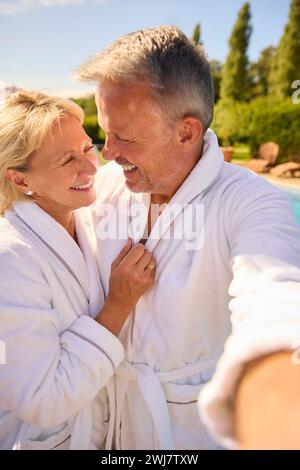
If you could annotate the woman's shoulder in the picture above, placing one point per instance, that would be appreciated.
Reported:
(22, 265)
(9, 234)
(13, 244)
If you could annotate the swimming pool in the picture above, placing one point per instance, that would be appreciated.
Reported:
(294, 195)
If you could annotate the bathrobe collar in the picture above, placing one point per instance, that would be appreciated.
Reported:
(201, 177)
(56, 238)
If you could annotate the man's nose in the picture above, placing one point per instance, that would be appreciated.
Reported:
(109, 151)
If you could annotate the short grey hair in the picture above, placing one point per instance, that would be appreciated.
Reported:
(176, 70)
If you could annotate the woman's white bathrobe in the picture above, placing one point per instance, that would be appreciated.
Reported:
(246, 273)
(57, 357)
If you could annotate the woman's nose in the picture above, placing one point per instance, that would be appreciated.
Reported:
(90, 164)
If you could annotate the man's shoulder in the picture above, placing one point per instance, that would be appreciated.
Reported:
(238, 180)
(246, 196)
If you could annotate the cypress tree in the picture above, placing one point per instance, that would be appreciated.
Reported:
(286, 64)
(196, 37)
(259, 73)
(235, 71)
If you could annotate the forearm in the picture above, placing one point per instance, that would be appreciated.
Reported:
(267, 407)
(113, 315)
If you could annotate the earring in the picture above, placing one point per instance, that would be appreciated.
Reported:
(29, 193)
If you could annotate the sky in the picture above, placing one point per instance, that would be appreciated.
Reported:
(42, 42)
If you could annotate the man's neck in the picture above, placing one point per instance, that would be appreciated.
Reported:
(166, 196)
(160, 199)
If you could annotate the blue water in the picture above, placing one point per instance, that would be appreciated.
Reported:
(294, 195)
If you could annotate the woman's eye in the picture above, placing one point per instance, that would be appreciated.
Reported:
(68, 161)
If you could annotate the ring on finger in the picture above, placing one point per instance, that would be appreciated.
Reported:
(150, 266)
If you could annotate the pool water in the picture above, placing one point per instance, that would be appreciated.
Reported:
(297, 209)
(294, 195)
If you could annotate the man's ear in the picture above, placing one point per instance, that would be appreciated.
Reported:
(17, 179)
(190, 131)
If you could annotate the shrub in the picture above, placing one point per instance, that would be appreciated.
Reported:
(260, 121)
(231, 121)
(93, 130)
(88, 105)
(101, 135)
(277, 121)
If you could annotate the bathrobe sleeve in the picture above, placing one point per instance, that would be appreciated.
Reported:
(265, 260)
(48, 377)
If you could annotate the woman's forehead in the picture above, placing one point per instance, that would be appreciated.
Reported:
(64, 137)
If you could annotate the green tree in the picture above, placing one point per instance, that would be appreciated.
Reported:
(216, 72)
(235, 71)
(88, 105)
(196, 37)
(286, 64)
(259, 73)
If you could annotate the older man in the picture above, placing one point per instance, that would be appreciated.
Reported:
(225, 241)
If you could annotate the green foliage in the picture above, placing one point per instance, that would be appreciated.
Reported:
(93, 130)
(286, 64)
(278, 121)
(196, 37)
(101, 135)
(235, 71)
(231, 121)
(216, 72)
(241, 152)
(259, 73)
(87, 104)
(90, 123)
(260, 121)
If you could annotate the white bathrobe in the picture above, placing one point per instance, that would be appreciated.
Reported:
(57, 356)
(248, 263)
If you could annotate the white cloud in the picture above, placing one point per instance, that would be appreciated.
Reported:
(14, 7)
(57, 3)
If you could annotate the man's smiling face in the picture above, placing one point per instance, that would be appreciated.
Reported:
(138, 138)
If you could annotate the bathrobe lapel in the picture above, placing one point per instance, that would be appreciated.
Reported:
(202, 176)
(87, 240)
(40, 224)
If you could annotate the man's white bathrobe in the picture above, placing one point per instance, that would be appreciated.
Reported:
(248, 265)
(57, 357)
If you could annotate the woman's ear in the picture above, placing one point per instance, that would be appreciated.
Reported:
(190, 131)
(17, 179)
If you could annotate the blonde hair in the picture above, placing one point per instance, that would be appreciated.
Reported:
(26, 118)
(175, 69)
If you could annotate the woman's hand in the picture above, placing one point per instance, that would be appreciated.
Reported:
(129, 280)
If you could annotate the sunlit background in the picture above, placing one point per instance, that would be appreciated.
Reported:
(253, 48)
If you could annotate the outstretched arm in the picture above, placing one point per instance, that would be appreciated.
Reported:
(267, 407)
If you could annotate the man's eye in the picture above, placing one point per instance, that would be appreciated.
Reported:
(89, 149)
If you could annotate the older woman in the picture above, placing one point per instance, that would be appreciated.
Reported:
(60, 335)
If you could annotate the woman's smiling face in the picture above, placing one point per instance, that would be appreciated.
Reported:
(61, 172)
